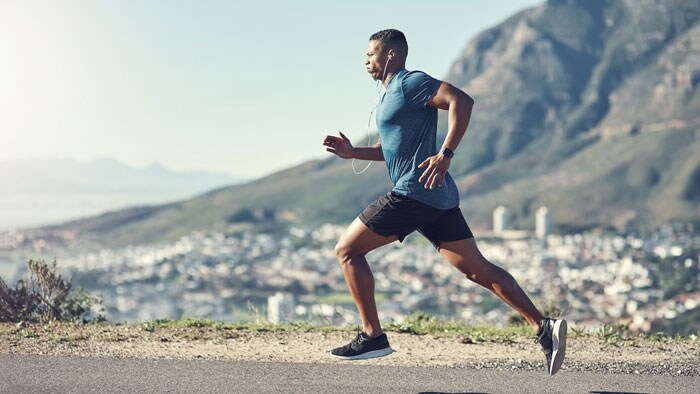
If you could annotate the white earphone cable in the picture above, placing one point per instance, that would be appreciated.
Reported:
(369, 121)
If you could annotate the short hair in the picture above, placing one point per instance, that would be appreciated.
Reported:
(393, 39)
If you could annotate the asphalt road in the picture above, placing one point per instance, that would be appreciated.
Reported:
(51, 374)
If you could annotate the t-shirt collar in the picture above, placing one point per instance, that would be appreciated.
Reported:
(395, 76)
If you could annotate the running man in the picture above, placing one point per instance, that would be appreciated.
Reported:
(424, 198)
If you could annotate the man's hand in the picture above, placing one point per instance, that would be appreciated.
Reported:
(339, 146)
(435, 174)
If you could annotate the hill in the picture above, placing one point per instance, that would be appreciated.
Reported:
(104, 175)
(42, 191)
(568, 95)
(589, 107)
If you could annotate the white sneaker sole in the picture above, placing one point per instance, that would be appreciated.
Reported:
(558, 346)
(364, 356)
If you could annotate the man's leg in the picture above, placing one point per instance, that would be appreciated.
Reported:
(550, 333)
(356, 242)
(466, 257)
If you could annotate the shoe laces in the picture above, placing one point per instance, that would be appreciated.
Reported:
(359, 338)
(542, 334)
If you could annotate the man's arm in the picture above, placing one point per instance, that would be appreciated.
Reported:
(373, 152)
(459, 111)
(341, 147)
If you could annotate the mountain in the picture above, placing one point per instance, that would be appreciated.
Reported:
(39, 191)
(103, 175)
(589, 107)
(314, 192)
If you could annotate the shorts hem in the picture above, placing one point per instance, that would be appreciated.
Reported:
(368, 223)
(462, 238)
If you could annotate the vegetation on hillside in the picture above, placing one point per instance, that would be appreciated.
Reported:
(44, 295)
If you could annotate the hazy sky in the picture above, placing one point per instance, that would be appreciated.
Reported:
(246, 88)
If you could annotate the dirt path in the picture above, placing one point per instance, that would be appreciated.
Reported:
(584, 353)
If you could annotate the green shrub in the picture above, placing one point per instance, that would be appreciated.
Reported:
(45, 296)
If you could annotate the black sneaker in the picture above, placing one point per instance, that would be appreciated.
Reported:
(552, 337)
(364, 347)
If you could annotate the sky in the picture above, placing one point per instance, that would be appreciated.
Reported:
(245, 88)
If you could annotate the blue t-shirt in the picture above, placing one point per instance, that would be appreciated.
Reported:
(408, 133)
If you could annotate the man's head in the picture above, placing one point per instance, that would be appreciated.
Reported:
(386, 53)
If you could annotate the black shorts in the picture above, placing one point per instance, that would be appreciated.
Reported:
(394, 214)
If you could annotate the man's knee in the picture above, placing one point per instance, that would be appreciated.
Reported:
(478, 270)
(490, 276)
(345, 252)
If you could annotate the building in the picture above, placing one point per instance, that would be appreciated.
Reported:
(543, 222)
(501, 219)
(280, 308)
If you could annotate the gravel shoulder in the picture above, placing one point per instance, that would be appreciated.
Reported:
(584, 353)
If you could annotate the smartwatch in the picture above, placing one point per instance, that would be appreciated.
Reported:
(448, 152)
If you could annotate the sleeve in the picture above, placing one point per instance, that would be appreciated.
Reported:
(418, 87)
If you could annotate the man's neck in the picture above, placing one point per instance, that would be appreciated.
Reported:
(390, 75)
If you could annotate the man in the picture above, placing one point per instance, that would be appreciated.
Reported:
(424, 197)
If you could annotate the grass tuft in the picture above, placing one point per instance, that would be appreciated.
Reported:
(258, 326)
(420, 323)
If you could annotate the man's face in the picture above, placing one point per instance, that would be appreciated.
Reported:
(376, 59)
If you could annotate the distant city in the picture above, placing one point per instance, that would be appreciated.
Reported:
(645, 281)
